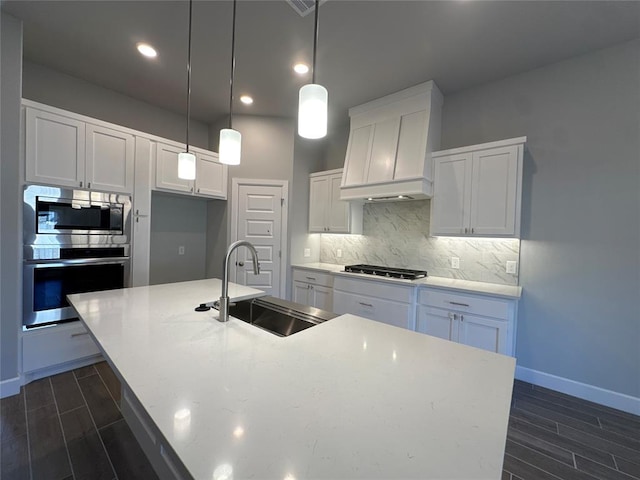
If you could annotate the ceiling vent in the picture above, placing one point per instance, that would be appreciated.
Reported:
(304, 7)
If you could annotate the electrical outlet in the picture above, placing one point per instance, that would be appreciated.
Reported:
(181, 250)
(339, 253)
(455, 262)
(307, 252)
(512, 266)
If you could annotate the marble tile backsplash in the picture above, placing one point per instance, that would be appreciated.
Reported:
(397, 234)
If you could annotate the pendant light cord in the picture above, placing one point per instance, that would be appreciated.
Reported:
(315, 42)
(189, 73)
(233, 64)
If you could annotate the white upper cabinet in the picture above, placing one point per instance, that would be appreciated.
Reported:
(327, 213)
(65, 150)
(478, 190)
(211, 175)
(390, 142)
(109, 159)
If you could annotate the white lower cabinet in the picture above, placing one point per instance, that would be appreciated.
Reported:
(478, 321)
(381, 301)
(313, 288)
(165, 462)
(50, 347)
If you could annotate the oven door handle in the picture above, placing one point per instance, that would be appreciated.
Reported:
(59, 262)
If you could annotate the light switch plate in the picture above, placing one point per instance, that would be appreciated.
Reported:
(512, 266)
(339, 253)
(181, 250)
(307, 252)
(455, 262)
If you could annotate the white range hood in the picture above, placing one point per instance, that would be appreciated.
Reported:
(390, 144)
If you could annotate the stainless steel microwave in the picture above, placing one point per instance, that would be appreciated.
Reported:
(55, 217)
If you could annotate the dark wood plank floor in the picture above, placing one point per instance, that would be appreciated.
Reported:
(69, 426)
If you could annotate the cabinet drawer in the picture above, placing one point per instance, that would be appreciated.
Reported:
(385, 311)
(384, 290)
(489, 307)
(56, 345)
(311, 276)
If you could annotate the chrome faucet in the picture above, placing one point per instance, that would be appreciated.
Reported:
(224, 297)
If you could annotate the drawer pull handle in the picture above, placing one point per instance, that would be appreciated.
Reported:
(79, 334)
(365, 304)
(459, 304)
(310, 278)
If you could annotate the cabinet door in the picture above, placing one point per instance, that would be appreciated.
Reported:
(321, 297)
(494, 191)
(452, 195)
(318, 203)
(481, 332)
(358, 150)
(167, 169)
(383, 150)
(54, 149)
(110, 159)
(437, 323)
(301, 293)
(211, 176)
(338, 211)
(411, 145)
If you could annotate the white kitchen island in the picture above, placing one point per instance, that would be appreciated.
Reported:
(349, 398)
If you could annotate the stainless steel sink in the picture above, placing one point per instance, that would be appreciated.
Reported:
(280, 317)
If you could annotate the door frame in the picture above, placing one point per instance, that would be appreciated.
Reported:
(233, 227)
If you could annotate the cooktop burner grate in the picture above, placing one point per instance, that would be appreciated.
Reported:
(391, 272)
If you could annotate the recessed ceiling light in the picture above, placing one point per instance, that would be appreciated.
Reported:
(147, 50)
(300, 68)
(246, 99)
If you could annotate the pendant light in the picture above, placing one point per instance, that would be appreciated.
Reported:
(313, 99)
(187, 160)
(230, 139)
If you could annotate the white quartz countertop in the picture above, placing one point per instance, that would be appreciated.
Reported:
(349, 398)
(464, 286)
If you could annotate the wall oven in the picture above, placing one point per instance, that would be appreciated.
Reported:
(76, 241)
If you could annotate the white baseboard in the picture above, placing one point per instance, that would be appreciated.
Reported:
(10, 387)
(599, 395)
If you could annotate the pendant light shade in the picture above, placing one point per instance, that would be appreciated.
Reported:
(187, 160)
(187, 166)
(313, 99)
(230, 146)
(312, 111)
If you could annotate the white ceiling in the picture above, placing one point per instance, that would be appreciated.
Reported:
(366, 48)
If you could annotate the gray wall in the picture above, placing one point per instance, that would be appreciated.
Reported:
(271, 149)
(579, 317)
(10, 194)
(42, 84)
(177, 221)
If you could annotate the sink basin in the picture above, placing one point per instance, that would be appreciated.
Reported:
(280, 317)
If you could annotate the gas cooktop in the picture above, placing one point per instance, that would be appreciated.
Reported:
(391, 272)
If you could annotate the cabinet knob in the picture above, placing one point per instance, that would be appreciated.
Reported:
(240, 264)
(81, 184)
(191, 189)
(465, 229)
(198, 190)
(461, 317)
(89, 185)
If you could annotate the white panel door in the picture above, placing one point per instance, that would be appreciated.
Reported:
(167, 169)
(383, 151)
(452, 195)
(484, 333)
(495, 181)
(110, 159)
(55, 149)
(437, 323)
(211, 176)
(319, 203)
(337, 210)
(260, 223)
